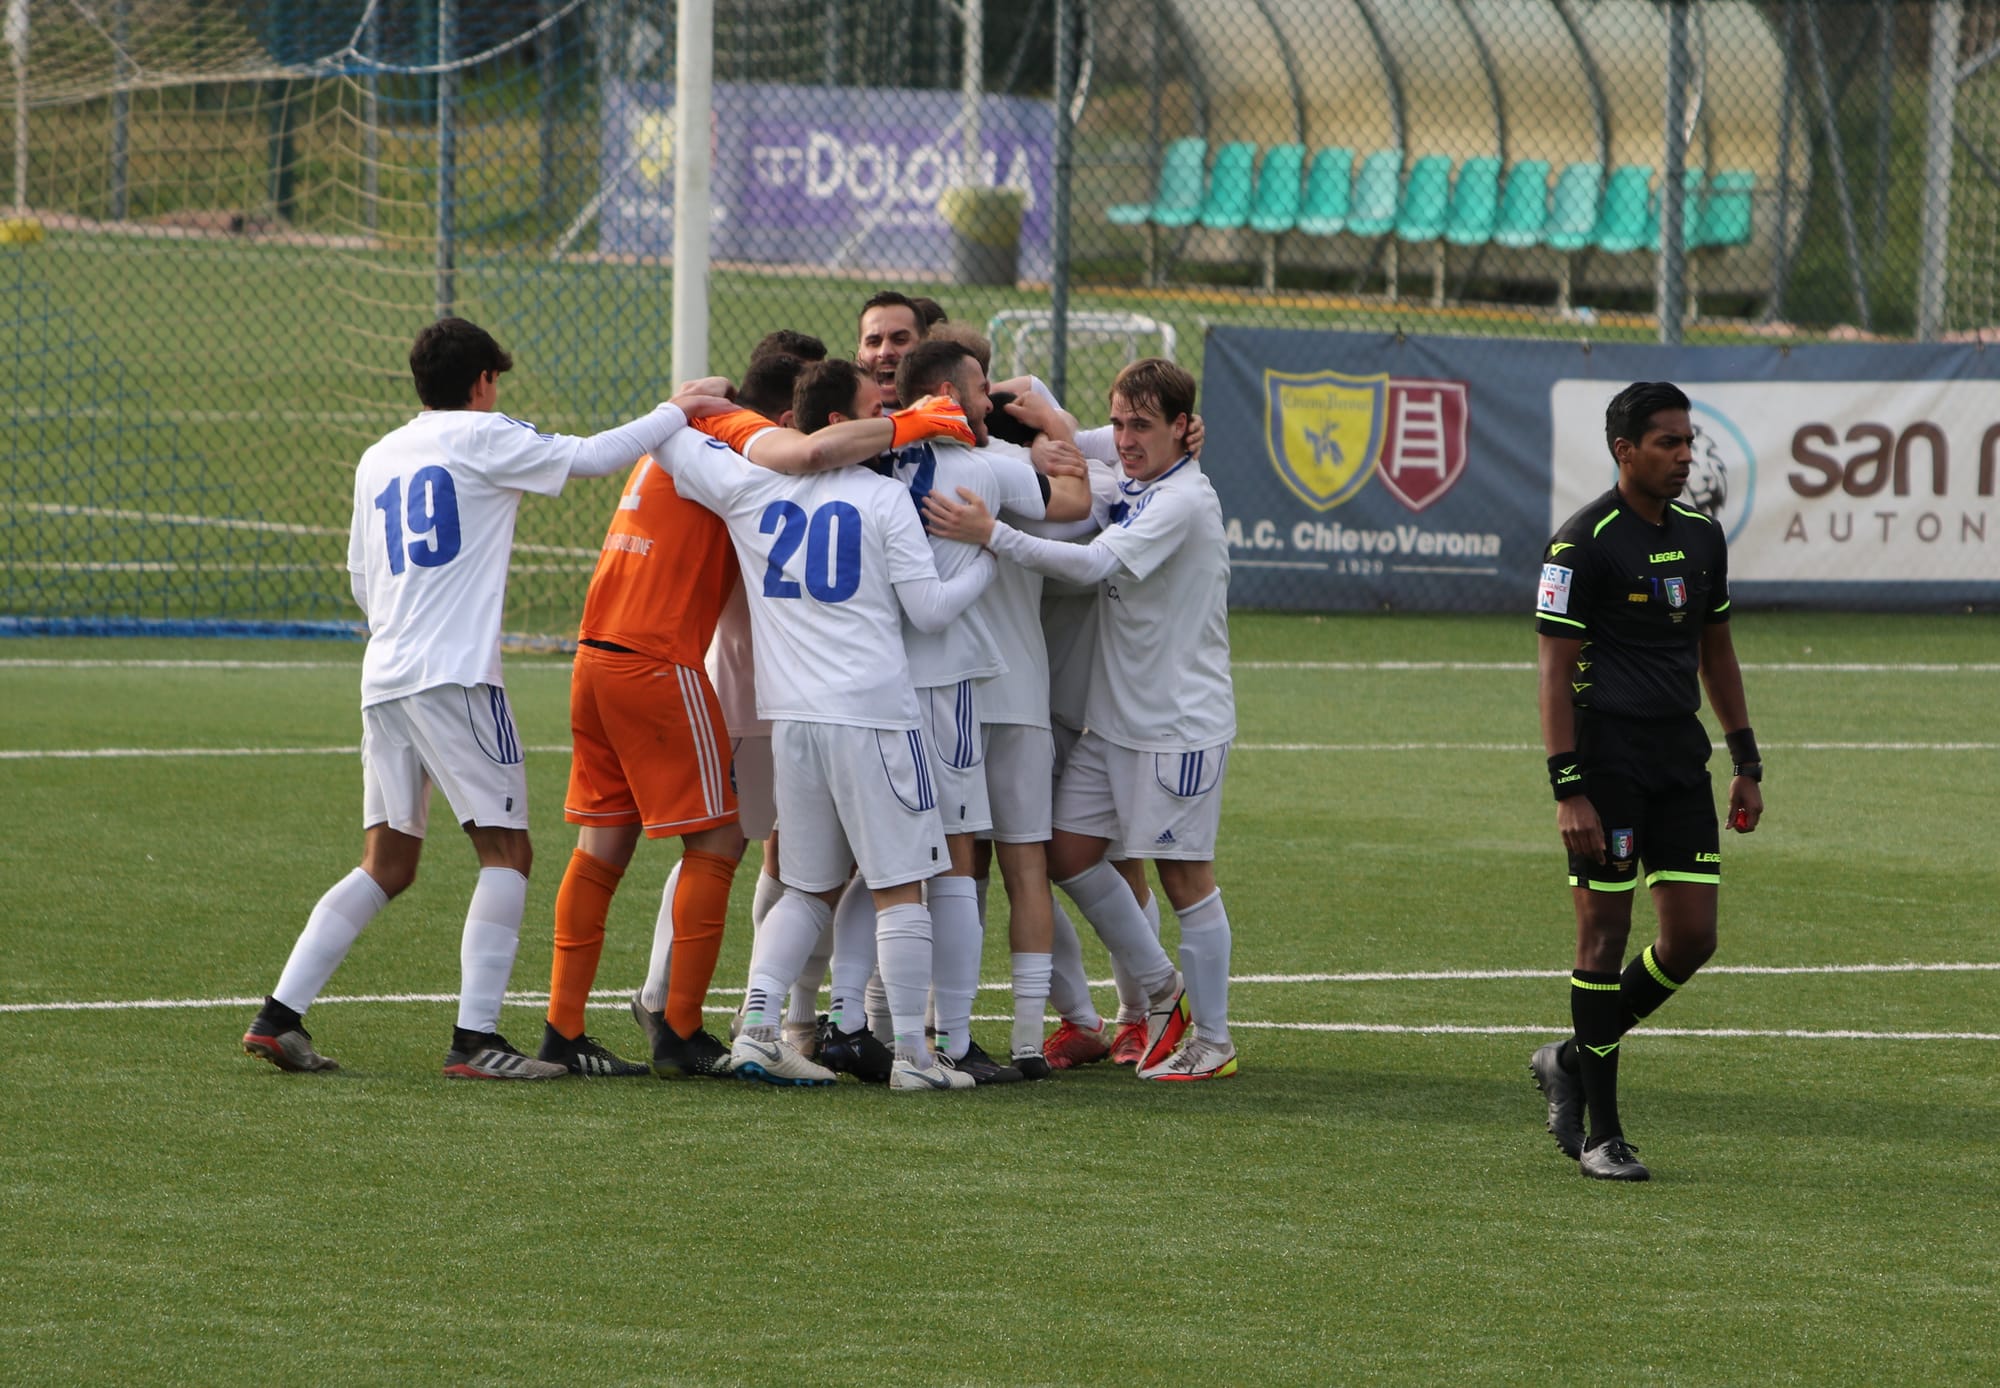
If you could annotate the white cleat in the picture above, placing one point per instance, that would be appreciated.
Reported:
(775, 1061)
(908, 1075)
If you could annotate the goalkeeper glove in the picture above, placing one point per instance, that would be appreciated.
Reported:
(933, 417)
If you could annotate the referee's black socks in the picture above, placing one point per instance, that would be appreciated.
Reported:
(1645, 985)
(1598, 1012)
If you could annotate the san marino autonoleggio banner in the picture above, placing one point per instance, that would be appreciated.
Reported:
(1364, 471)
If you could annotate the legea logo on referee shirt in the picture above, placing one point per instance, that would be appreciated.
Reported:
(1327, 433)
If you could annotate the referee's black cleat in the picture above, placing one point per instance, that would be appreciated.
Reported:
(1564, 1092)
(1612, 1159)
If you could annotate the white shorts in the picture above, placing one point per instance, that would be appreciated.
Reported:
(750, 777)
(859, 796)
(1020, 781)
(957, 743)
(460, 739)
(1149, 804)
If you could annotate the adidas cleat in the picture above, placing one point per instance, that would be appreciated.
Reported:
(289, 1048)
(856, 1053)
(585, 1056)
(983, 1068)
(476, 1055)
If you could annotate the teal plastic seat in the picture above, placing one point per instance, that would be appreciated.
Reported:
(1274, 208)
(1230, 183)
(1426, 199)
(1183, 179)
(1628, 220)
(1475, 203)
(1524, 205)
(1329, 192)
(1725, 212)
(1573, 207)
(1378, 190)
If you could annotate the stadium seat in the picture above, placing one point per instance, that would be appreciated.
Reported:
(1573, 209)
(1324, 206)
(1629, 220)
(1378, 191)
(1426, 198)
(1230, 182)
(1274, 208)
(1725, 212)
(1182, 180)
(1524, 205)
(1475, 202)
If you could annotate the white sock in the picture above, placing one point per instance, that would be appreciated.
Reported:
(768, 890)
(805, 990)
(958, 937)
(653, 994)
(1031, 974)
(337, 920)
(875, 998)
(1205, 944)
(853, 956)
(980, 887)
(1106, 902)
(903, 944)
(1132, 997)
(486, 948)
(1069, 988)
(783, 945)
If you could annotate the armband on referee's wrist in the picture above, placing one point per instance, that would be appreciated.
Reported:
(1565, 775)
(1743, 754)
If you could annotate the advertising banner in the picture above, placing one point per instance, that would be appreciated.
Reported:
(1366, 471)
(833, 177)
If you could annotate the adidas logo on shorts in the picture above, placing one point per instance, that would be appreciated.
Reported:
(1166, 836)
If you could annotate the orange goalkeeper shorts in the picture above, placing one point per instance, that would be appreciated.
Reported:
(650, 745)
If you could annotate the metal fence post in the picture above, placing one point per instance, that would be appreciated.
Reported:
(1670, 292)
(447, 146)
(1059, 205)
(694, 75)
(1947, 18)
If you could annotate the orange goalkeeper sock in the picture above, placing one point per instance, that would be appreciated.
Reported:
(582, 903)
(701, 900)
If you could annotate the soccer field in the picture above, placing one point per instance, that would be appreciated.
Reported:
(1372, 1199)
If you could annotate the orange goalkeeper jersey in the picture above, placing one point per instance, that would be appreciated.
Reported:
(667, 565)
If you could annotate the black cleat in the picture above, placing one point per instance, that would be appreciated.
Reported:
(584, 1056)
(855, 1053)
(278, 1034)
(983, 1068)
(1564, 1092)
(1033, 1065)
(1612, 1159)
(698, 1057)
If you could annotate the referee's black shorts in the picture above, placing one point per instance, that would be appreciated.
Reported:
(1648, 779)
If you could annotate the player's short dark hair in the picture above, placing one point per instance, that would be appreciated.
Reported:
(766, 386)
(1157, 382)
(448, 358)
(928, 365)
(1006, 427)
(804, 346)
(824, 389)
(1630, 413)
(930, 312)
(889, 298)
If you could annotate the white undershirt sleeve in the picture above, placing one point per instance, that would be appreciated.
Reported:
(1097, 443)
(1079, 564)
(357, 583)
(619, 448)
(932, 603)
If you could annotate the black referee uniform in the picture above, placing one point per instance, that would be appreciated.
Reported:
(1638, 595)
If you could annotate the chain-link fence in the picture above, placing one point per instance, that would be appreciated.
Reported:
(228, 218)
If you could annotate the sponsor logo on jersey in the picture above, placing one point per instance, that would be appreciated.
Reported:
(1327, 433)
(1553, 595)
(1677, 592)
(1666, 556)
(1621, 844)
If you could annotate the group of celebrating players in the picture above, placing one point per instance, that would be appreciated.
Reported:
(897, 623)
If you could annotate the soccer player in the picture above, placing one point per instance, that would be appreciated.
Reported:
(434, 508)
(949, 668)
(1632, 617)
(832, 562)
(890, 325)
(1147, 772)
(649, 734)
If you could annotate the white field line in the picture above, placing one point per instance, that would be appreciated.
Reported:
(616, 1000)
(563, 750)
(51, 508)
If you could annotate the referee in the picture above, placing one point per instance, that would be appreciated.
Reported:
(1633, 605)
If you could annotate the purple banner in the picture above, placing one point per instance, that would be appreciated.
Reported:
(826, 177)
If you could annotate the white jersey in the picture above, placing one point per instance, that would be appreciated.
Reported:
(967, 649)
(1160, 681)
(732, 667)
(433, 531)
(821, 557)
(1069, 611)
